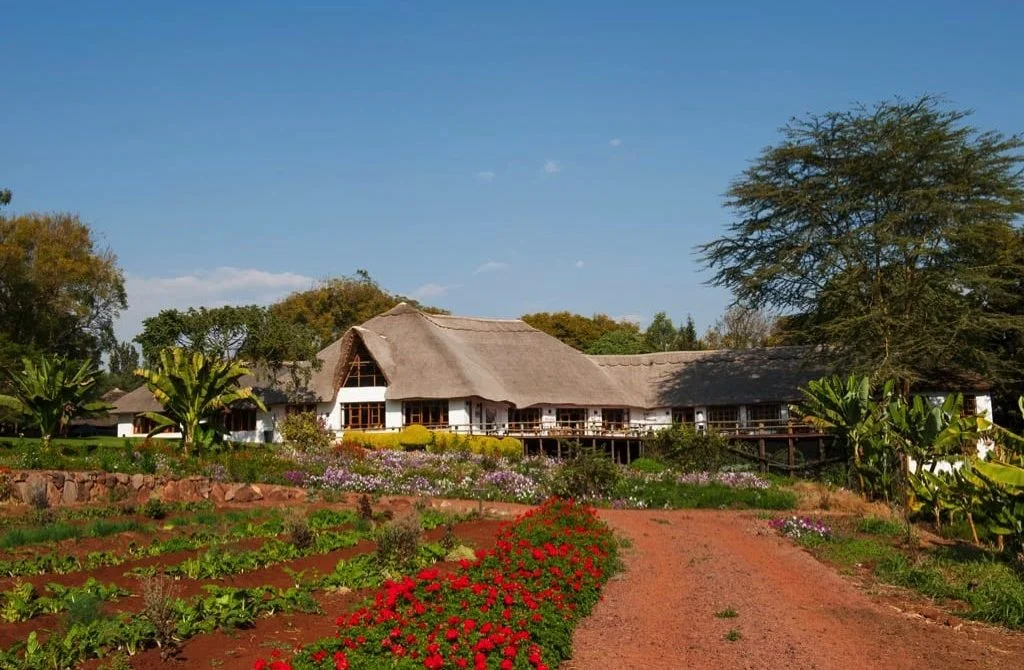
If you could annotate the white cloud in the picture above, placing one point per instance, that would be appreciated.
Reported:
(490, 266)
(578, 265)
(203, 288)
(485, 175)
(431, 290)
(552, 166)
(615, 142)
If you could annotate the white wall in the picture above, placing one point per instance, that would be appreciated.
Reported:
(458, 414)
(393, 415)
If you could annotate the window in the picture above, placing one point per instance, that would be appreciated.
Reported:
(723, 415)
(363, 370)
(767, 413)
(614, 418)
(238, 419)
(524, 419)
(970, 407)
(426, 413)
(682, 415)
(141, 425)
(360, 415)
(300, 408)
(571, 417)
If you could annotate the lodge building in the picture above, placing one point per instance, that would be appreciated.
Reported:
(504, 377)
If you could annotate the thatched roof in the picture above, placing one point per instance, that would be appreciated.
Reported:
(428, 356)
(501, 360)
(722, 377)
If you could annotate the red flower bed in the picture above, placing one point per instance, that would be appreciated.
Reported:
(513, 608)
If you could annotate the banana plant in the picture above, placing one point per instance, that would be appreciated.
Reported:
(53, 391)
(847, 408)
(193, 389)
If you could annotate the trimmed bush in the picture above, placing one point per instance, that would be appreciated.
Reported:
(439, 442)
(306, 432)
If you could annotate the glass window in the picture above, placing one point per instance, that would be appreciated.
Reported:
(363, 370)
(429, 413)
(362, 415)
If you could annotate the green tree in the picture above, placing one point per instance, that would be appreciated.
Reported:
(661, 334)
(5, 196)
(337, 304)
(254, 335)
(53, 392)
(578, 331)
(194, 388)
(124, 360)
(687, 339)
(59, 291)
(619, 342)
(886, 233)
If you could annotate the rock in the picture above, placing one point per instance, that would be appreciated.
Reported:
(242, 493)
(69, 495)
(137, 481)
(122, 478)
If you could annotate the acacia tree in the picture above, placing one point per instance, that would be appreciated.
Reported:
(53, 392)
(193, 388)
(886, 233)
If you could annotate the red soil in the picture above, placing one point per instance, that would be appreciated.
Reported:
(794, 612)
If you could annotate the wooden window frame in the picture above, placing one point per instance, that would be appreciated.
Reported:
(571, 423)
(525, 418)
(300, 408)
(428, 413)
(239, 420)
(363, 371)
(723, 415)
(768, 417)
(614, 418)
(362, 415)
(684, 415)
(141, 425)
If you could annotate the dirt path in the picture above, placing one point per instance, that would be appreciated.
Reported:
(793, 612)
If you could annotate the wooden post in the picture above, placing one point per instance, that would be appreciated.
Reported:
(821, 448)
(792, 446)
(762, 455)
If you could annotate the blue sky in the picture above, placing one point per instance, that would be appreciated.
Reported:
(491, 159)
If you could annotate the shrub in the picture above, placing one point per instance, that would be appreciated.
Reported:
(299, 533)
(306, 432)
(398, 543)
(158, 607)
(154, 509)
(589, 473)
(83, 610)
(689, 450)
(414, 437)
(647, 465)
(363, 508)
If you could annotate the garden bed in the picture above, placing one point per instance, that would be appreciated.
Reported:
(235, 575)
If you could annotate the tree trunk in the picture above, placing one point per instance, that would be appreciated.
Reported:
(974, 531)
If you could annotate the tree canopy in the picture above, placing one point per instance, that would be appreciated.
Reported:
(886, 233)
(124, 361)
(60, 291)
(253, 334)
(337, 304)
(741, 328)
(578, 331)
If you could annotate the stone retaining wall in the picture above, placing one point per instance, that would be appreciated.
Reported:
(69, 488)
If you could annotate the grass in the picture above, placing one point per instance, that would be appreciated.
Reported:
(733, 635)
(19, 537)
(873, 525)
(991, 589)
(694, 496)
(727, 613)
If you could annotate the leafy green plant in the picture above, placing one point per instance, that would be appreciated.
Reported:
(154, 508)
(727, 613)
(306, 432)
(689, 450)
(398, 543)
(587, 473)
(733, 635)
